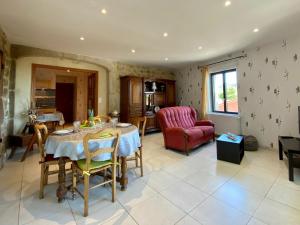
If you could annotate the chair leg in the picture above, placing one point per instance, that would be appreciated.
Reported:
(46, 175)
(113, 186)
(141, 162)
(42, 181)
(136, 159)
(74, 176)
(86, 195)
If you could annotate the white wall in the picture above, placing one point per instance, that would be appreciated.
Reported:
(23, 84)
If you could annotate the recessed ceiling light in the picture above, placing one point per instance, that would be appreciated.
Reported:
(82, 38)
(200, 47)
(227, 3)
(165, 34)
(166, 59)
(133, 50)
(103, 11)
(255, 30)
(68, 70)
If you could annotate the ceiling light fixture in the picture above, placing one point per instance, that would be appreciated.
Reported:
(200, 48)
(82, 38)
(166, 59)
(133, 50)
(227, 3)
(165, 34)
(68, 70)
(255, 30)
(103, 11)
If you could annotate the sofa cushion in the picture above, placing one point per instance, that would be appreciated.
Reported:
(207, 130)
(194, 134)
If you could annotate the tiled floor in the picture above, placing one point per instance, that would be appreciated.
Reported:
(175, 189)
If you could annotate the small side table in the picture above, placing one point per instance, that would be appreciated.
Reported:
(290, 146)
(230, 150)
(21, 140)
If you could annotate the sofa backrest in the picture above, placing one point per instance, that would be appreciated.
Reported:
(179, 116)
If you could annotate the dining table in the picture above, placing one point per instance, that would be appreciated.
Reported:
(70, 146)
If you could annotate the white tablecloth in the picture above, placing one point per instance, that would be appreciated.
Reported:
(73, 147)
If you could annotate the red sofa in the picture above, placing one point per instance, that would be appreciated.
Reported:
(181, 129)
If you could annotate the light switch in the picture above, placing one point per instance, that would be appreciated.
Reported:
(99, 100)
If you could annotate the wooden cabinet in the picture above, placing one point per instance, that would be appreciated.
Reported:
(131, 98)
(137, 98)
(170, 93)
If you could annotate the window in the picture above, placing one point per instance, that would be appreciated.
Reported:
(224, 96)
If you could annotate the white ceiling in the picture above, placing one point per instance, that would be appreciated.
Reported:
(140, 24)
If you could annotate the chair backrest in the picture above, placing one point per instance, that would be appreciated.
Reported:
(41, 133)
(179, 116)
(140, 122)
(103, 134)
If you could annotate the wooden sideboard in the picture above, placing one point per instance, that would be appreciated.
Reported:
(138, 98)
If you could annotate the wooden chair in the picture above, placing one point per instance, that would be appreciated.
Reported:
(140, 122)
(86, 167)
(41, 133)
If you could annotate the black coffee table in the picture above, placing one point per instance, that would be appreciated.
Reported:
(290, 146)
(230, 150)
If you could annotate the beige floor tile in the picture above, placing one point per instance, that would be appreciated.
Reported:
(180, 170)
(121, 219)
(205, 182)
(160, 180)
(274, 213)
(213, 212)
(238, 197)
(253, 183)
(136, 192)
(285, 195)
(9, 213)
(184, 196)
(188, 220)
(255, 221)
(101, 207)
(156, 211)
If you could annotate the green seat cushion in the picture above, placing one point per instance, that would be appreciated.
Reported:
(94, 164)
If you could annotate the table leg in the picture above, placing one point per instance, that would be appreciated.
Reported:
(61, 190)
(12, 153)
(124, 178)
(280, 150)
(291, 166)
(29, 147)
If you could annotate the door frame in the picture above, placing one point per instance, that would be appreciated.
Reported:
(34, 66)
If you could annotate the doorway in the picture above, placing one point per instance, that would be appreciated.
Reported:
(65, 100)
(74, 91)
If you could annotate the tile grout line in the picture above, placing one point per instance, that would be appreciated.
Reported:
(20, 199)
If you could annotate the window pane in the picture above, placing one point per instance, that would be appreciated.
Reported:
(231, 92)
(218, 95)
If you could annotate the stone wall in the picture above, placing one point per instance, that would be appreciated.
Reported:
(6, 93)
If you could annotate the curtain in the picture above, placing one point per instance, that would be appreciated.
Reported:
(204, 99)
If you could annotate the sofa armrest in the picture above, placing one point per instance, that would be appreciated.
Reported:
(176, 136)
(204, 123)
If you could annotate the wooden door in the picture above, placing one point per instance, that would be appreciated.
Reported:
(92, 97)
(65, 100)
(170, 93)
(135, 97)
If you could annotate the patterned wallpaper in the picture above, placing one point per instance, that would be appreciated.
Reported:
(268, 90)
(188, 86)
